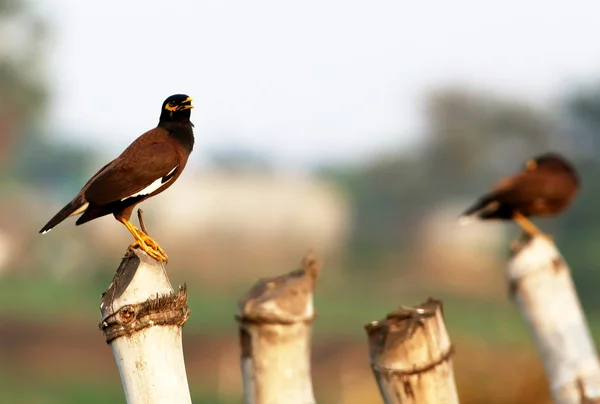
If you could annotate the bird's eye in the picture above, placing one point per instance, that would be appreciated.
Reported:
(172, 104)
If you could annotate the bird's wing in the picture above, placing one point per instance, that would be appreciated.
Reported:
(529, 186)
(153, 164)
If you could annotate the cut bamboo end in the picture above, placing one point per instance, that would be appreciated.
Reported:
(142, 320)
(541, 286)
(275, 321)
(410, 354)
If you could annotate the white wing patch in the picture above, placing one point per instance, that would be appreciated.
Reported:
(80, 210)
(154, 186)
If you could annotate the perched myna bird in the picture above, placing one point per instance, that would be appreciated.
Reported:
(545, 187)
(148, 166)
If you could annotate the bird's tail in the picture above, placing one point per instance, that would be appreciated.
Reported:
(475, 210)
(75, 207)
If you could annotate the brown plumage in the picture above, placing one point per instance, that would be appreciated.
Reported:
(545, 187)
(147, 167)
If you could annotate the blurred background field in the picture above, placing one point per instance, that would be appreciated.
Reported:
(360, 131)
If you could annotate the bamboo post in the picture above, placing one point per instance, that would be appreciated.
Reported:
(410, 354)
(275, 322)
(541, 285)
(142, 320)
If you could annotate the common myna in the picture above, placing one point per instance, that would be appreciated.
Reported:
(148, 166)
(545, 187)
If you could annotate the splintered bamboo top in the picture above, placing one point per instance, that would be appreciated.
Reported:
(410, 354)
(282, 299)
(411, 339)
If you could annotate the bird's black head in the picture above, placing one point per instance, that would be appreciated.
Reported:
(550, 161)
(176, 108)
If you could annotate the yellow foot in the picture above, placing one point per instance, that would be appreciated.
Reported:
(153, 244)
(529, 229)
(143, 241)
(151, 247)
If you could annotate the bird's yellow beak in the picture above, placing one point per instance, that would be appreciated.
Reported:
(188, 106)
(531, 165)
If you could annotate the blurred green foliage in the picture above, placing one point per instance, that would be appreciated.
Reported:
(24, 91)
(340, 312)
(27, 154)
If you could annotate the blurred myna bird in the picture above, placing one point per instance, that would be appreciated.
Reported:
(545, 187)
(148, 166)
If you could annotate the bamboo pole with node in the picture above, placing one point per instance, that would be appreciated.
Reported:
(142, 320)
(540, 284)
(275, 321)
(410, 354)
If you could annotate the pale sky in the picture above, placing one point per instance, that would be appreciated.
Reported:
(308, 81)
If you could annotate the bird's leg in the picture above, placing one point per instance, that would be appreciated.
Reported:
(144, 234)
(141, 220)
(144, 241)
(528, 227)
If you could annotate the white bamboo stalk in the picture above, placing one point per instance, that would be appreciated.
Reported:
(142, 320)
(410, 354)
(541, 285)
(275, 320)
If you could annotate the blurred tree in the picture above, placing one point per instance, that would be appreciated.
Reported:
(27, 156)
(22, 82)
(475, 137)
(578, 230)
(470, 141)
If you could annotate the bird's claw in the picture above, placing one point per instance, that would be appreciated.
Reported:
(153, 244)
(151, 248)
(144, 241)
